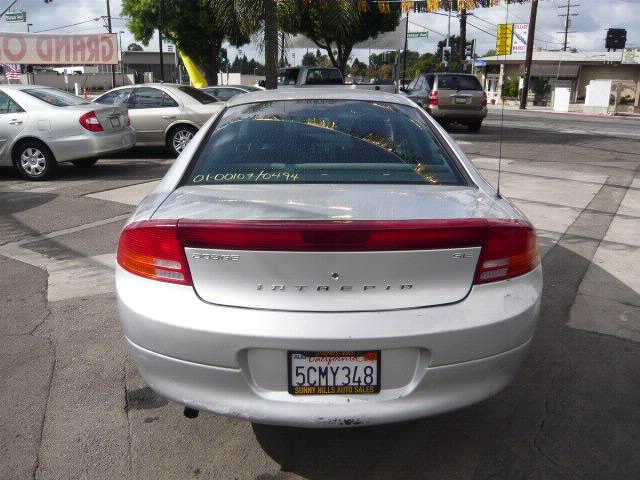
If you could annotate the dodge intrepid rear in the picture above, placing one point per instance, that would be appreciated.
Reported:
(326, 258)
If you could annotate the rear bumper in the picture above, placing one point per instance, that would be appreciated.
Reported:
(228, 391)
(453, 114)
(233, 360)
(90, 145)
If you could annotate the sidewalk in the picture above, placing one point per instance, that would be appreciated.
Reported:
(574, 109)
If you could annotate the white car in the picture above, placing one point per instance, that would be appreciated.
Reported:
(42, 126)
(326, 258)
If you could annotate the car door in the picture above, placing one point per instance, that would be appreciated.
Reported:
(151, 111)
(12, 121)
(416, 91)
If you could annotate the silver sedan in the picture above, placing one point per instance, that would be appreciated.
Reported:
(164, 113)
(42, 126)
(327, 258)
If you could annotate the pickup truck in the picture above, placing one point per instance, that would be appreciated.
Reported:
(301, 77)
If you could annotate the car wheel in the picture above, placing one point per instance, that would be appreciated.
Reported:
(85, 162)
(34, 160)
(179, 137)
(474, 125)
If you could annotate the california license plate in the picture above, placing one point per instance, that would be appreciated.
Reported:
(334, 373)
(461, 100)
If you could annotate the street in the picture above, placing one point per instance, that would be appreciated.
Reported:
(74, 406)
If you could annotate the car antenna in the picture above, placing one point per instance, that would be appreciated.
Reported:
(498, 194)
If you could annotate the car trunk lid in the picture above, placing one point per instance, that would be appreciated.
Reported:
(285, 249)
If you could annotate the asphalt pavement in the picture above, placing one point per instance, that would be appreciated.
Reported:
(72, 405)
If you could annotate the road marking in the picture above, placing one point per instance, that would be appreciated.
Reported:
(130, 195)
(68, 278)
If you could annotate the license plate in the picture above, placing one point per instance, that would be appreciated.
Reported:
(334, 373)
(462, 100)
(115, 122)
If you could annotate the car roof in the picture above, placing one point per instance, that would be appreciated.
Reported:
(337, 92)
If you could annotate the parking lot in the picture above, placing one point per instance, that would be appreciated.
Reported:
(74, 407)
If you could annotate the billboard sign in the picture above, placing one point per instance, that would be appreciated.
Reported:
(512, 38)
(504, 39)
(520, 35)
(46, 49)
(631, 56)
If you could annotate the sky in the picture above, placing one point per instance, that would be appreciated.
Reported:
(595, 16)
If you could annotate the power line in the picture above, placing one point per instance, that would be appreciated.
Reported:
(567, 20)
(70, 25)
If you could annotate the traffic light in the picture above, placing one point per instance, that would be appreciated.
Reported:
(446, 54)
(616, 38)
(469, 49)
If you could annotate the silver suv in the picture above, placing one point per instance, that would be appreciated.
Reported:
(450, 97)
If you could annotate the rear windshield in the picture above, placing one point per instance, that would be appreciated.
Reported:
(288, 76)
(458, 82)
(55, 97)
(323, 141)
(324, 76)
(198, 95)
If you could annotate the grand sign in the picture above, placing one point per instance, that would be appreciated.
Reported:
(43, 49)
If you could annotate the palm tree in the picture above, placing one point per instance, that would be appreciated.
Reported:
(255, 16)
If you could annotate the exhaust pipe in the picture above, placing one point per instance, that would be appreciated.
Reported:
(191, 412)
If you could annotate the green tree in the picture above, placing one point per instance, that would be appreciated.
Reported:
(309, 60)
(335, 26)
(426, 63)
(358, 68)
(490, 53)
(257, 16)
(197, 27)
(134, 47)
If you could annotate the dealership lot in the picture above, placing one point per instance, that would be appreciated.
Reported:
(75, 407)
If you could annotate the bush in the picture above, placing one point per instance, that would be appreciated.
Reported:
(510, 88)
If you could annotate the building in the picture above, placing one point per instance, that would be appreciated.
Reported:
(141, 63)
(570, 68)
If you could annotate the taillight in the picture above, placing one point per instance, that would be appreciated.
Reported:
(510, 250)
(128, 120)
(152, 249)
(90, 121)
(483, 100)
(155, 249)
(434, 98)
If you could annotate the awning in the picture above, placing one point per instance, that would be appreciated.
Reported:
(552, 70)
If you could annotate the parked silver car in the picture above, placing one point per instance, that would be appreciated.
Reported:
(164, 113)
(326, 258)
(42, 126)
(226, 92)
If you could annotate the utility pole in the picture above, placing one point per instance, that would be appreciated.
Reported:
(113, 67)
(160, 19)
(463, 35)
(406, 46)
(529, 58)
(447, 47)
(567, 21)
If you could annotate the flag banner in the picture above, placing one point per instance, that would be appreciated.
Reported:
(12, 71)
(43, 49)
